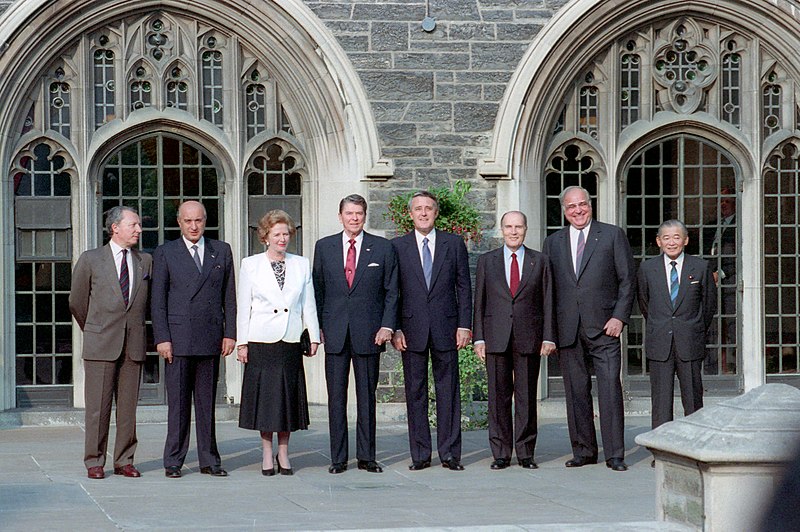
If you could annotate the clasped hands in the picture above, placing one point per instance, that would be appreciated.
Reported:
(165, 349)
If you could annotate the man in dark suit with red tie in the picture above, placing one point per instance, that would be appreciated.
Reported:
(435, 320)
(595, 282)
(355, 287)
(194, 322)
(514, 324)
(678, 298)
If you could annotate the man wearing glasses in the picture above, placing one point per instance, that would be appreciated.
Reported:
(595, 282)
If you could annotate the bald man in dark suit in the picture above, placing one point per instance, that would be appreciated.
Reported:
(108, 300)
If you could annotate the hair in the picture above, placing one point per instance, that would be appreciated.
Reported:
(423, 194)
(355, 199)
(570, 189)
(524, 218)
(270, 220)
(114, 216)
(673, 223)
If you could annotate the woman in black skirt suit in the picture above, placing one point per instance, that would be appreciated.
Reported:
(275, 298)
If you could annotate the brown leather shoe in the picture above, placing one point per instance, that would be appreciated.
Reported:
(127, 470)
(96, 472)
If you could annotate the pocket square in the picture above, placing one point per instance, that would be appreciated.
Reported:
(695, 282)
(371, 264)
(146, 277)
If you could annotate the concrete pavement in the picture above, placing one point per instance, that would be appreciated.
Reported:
(43, 486)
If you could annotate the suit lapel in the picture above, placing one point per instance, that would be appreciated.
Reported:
(566, 249)
(595, 234)
(363, 259)
(416, 259)
(210, 257)
(683, 287)
(337, 254)
(440, 254)
(110, 271)
(497, 274)
(661, 272)
(527, 268)
(137, 274)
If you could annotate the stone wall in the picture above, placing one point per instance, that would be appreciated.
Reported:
(434, 95)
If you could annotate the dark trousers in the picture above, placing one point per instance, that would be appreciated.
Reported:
(107, 382)
(448, 403)
(337, 376)
(189, 376)
(512, 374)
(662, 386)
(606, 357)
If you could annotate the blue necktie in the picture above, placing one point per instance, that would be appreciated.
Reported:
(673, 283)
(427, 262)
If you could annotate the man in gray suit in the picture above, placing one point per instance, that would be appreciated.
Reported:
(595, 281)
(108, 299)
(678, 298)
(194, 322)
(514, 326)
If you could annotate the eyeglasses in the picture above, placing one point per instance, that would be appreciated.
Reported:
(576, 206)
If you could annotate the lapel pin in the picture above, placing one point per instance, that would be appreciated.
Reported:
(691, 277)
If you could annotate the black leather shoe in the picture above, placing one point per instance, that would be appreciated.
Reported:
(528, 463)
(616, 464)
(338, 467)
(283, 470)
(500, 463)
(453, 465)
(580, 461)
(370, 466)
(419, 465)
(172, 471)
(214, 471)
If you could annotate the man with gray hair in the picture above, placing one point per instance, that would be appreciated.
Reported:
(108, 299)
(677, 297)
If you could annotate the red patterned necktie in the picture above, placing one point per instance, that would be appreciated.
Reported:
(514, 277)
(350, 264)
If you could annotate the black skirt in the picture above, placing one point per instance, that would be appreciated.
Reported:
(274, 388)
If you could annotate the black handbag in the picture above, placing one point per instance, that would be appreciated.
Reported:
(305, 342)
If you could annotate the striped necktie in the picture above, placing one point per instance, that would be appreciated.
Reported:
(673, 283)
(124, 277)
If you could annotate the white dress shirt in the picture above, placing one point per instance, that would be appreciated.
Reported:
(117, 250)
(346, 245)
(573, 242)
(668, 266)
(431, 243)
(507, 255)
(201, 247)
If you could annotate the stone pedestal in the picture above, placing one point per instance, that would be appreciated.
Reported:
(717, 469)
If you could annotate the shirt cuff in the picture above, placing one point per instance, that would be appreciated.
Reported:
(478, 342)
(388, 329)
(549, 342)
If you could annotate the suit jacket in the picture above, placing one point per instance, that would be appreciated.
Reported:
(371, 303)
(95, 301)
(694, 310)
(268, 314)
(604, 287)
(194, 311)
(447, 306)
(530, 311)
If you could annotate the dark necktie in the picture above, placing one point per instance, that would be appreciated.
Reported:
(124, 277)
(196, 257)
(350, 264)
(673, 283)
(427, 262)
(514, 277)
(579, 252)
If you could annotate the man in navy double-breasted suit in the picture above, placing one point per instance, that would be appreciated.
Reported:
(355, 286)
(194, 322)
(435, 319)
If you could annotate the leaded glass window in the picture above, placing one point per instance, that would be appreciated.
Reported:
(60, 103)
(212, 83)
(255, 102)
(104, 85)
(771, 107)
(731, 86)
(141, 89)
(630, 87)
(177, 88)
(781, 262)
(588, 107)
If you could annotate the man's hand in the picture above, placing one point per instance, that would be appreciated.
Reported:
(241, 354)
(547, 349)
(399, 341)
(383, 335)
(715, 275)
(321, 337)
(165, 350)
(614, 327)
(227, 346)
(480, 350)
(313, 349)
(463, 338)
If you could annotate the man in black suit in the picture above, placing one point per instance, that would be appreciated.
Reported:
(595, 281)
(355, 284)
(435, 319)
(194, 322)
(514, 324)
(678, 298)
